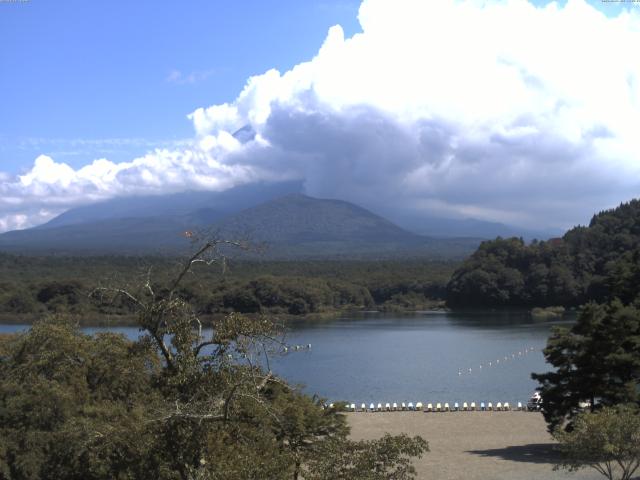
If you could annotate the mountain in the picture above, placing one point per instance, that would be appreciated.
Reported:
(207, 206)
(301, 226)
(291, 226)
(468, 227)
(298, 218)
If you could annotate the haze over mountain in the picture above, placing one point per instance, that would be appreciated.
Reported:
(207, 206)
(290, 223)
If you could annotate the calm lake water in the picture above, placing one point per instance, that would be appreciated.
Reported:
(408, 358)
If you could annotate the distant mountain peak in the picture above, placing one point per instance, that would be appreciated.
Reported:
(293, 225)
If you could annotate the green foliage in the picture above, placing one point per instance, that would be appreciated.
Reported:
(607, 441)
(74, 406)
(599, 262)
(386, 458)
(68, 285)
(597, 360)
(176, 404)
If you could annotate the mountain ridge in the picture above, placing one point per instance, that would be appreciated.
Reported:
(293, 226)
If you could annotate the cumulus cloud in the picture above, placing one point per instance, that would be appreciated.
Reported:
(495, 110)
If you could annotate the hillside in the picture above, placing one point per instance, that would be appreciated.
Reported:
(298, 225)
(290, 226)
(206, 206)
(598, 262)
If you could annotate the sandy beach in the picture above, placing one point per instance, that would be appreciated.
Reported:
(473, 445)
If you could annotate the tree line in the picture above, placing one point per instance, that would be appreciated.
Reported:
(35, 286)
(599, 262)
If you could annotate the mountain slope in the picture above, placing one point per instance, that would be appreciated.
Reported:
(298, 218)
(293, 226)
(210, 206)
(471, 227)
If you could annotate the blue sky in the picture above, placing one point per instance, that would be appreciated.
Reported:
(77, 74)
(513, 111)
(88, 79)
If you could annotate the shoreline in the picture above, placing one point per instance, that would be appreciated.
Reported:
(97, 320)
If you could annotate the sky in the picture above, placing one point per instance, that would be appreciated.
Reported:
(517, 111)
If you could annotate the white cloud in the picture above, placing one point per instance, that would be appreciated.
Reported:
(181, 78)
(498, 110)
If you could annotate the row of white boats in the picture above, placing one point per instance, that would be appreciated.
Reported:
(437, 407)
(534, 404)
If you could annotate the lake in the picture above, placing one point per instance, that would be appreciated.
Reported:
(428, 356)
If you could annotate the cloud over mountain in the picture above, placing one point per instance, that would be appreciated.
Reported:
(497, 110)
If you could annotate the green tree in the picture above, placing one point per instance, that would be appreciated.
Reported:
(183, 402)
(74, 406)
(607, 441)
(387, 458)
(596, 361)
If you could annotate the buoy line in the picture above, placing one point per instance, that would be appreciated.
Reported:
(497, 362)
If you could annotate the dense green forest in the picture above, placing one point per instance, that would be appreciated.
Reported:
(31, 286)
(595, 263)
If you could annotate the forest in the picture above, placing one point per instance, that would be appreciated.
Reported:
(598, 262)
(32, 286)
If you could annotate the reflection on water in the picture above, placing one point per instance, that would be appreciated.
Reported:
(427, 356)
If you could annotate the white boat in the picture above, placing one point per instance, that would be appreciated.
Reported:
(535, 402)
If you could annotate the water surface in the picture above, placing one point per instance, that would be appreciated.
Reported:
(428, 357)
